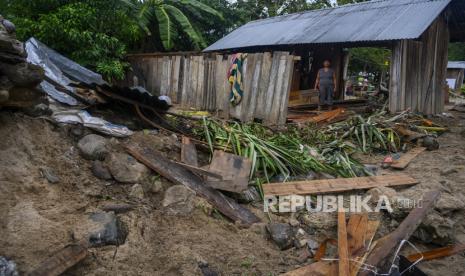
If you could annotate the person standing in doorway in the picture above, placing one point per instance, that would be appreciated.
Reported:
(326, 85)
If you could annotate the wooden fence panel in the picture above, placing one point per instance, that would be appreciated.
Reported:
(201, 82)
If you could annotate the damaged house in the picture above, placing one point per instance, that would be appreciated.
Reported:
(284, 54)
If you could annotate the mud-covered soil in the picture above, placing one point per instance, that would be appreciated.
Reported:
(38, 218)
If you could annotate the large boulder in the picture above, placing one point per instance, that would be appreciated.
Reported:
(93, 147)
(126, 169)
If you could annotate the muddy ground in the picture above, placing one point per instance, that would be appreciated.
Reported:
(38, 218)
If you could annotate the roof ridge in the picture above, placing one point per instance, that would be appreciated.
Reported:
(342, 6)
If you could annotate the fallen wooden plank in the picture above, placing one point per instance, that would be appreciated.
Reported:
(188, 152)
(61, 261)
(356, 232)
(437, 253)
(234, 169)
(322, 268)
(180, 175)
(342, 244)
(405, 159)
(337, 185)
(320, 253)
(200, 171)
(379, 256)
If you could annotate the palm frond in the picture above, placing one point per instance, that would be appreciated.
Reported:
(202, 7)
(165, 26)
(186, 25)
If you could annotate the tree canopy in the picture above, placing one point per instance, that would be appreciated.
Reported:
(99, 33)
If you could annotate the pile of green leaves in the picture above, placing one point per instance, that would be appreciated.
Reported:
(287, 153)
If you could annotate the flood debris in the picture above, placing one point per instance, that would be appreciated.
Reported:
(406, 158)
(281, 234)
(337, 185)
(179, 175)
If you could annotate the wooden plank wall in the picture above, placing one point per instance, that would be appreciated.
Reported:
(418, 71)
(200, 81)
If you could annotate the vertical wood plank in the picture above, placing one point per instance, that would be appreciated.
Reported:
(248, 79)
(278, 91)
(342, 244)
(263, 85)
(286, 90)
(271, 88)
(254, 90)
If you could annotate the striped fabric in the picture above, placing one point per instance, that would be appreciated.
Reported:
(235, 78)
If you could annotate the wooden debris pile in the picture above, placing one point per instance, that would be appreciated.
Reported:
(360, 253)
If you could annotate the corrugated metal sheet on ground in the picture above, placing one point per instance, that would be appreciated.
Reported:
(368, 21)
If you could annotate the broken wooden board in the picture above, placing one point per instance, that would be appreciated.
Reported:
(337, 185)
(342, 244)
(371, 228)
(357, 227)
(61, 261)
(322, 268)
(188, 152)
(379, 256)
(405, 159)
(200, 171)
(234, 169)
(180, 175)
(437, 253)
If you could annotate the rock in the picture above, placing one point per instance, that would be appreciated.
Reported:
(377, 192)
(178, 200)
(39, 110)
(430, 143)
(100, 170)
(137, 191)
(93, 147)
(126, 169)
(281, 234)
(156, 186)
(23, 74)
(300, 238)
(448, 203)
(448, 171)
(436, 229)
(49, 175)
(110, 230)
(77, 130)
(207, 270)
(319, 220)
(7, 267)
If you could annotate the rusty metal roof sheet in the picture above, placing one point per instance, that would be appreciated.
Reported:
(381, 20)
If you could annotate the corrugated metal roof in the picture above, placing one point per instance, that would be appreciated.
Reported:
(368, 21)
(456, 65)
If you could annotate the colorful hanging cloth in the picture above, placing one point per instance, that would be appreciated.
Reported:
(235, 78)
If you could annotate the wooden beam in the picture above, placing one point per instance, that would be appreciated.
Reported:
(356, 232)
(180, 175)
(61, 261)
(342, 244)
(380, 254)
(437, 253)
(405, 159)
(337, 185)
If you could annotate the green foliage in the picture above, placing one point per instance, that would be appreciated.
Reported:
(170, 22)
(369, 59)
(457, 51)
(93, 33)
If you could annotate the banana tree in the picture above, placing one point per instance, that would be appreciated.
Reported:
(170, 18)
